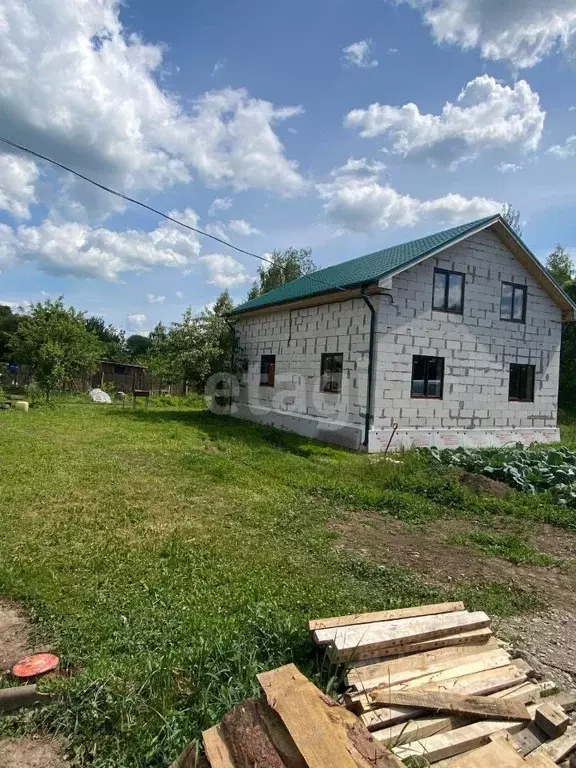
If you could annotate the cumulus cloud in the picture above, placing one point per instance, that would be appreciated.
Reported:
(358, 55)
(224, 271)
(152, 299)
(568, 149)
(242, 227)
(113, 121)
(359, 165)
(179, 295)
(508, 167)
(522, 32)
(360, 203)
(73, 248)
(486, 115)
(18, 177)
(136, 320)
(220, 204)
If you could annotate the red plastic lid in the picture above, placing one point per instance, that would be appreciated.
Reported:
(35, 665)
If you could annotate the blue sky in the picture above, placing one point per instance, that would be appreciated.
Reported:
(343, 126)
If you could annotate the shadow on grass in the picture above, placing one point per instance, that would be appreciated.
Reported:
(230, 429)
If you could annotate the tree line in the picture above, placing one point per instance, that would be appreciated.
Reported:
(62, 344)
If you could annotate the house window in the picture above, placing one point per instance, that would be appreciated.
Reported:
(521, 383)
(331, 372)
(427, 376)
(513, 303)
(267, 370)
(448, 291)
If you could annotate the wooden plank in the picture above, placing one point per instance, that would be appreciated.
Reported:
(428, 726)
(361, 677)
(457, 638)
(479, 663)
(529, 739)
(368, 618)
(454, 704)
(499, 753)
(540, 761)
(324, 732)
(349, 642)
(552, 719)
(216, 750)
(559, 748)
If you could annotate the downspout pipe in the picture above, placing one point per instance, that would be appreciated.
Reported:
(369, 418)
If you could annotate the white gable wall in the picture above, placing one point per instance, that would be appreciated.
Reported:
(477, 348)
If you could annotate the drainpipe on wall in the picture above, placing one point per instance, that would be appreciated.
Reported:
(369, 419)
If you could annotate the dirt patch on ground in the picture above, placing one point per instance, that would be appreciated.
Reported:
(482, 484)
(14, 635)
(32, 753)
(547, 641)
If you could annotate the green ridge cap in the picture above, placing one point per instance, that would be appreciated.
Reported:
(362, 270)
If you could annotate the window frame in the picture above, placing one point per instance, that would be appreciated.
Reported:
(514, 286)
(265, 361)
(444, 307)
(323, 372)
(425, 395)
(531, 396)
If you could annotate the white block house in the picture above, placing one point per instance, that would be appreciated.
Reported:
(452, 339)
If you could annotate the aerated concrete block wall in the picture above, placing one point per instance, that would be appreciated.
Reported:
(477, 348)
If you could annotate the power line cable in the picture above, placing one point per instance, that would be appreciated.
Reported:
(129, 199)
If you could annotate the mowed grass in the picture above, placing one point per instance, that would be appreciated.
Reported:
(169, 555)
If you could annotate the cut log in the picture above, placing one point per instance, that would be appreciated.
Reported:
(247, 738)
(324, 732)
(351, 642)
(216, 748)
(188, 758)
(559, 748)
(22, 696)
(473, 637)
(552, 719)
(454, 704)
(499, 753)
(368, 618)
(407, 667)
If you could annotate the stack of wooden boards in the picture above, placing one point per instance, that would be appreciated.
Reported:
(433, 681)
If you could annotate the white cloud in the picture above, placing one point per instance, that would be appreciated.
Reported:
(220, 204)
(520, 31)
(360, 203)
(486, 115)
(358, 55)
(72, 248)
(179, 295)
(218, 66)
(224, 271)
(243, 228)
(18, 177)
(392, 51)
(358, 165)
(17, 306)
(152, 299)
(112, 120)
(136, 320)
(507, 167)
(568, 149)
(217, 229)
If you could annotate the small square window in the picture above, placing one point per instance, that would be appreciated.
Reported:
(522, 383)
(331, 372)
(427, 377)
(513, 303)
(448, 291)
(267, 370)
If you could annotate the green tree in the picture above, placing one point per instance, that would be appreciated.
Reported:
(113, 339)
(9, 322)
(54, 341)
(284, 267)
(512, 217)
(137, 347)
(560, 265)
(194, 348)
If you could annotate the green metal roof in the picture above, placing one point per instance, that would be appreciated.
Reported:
(361, 271)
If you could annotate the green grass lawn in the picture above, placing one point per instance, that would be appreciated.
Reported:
(168, 555)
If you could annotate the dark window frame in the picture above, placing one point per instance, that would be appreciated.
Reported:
(444, 307)
(267, 380)
(515, 287)
(326, 385)
(520, 368)
(425, 395)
